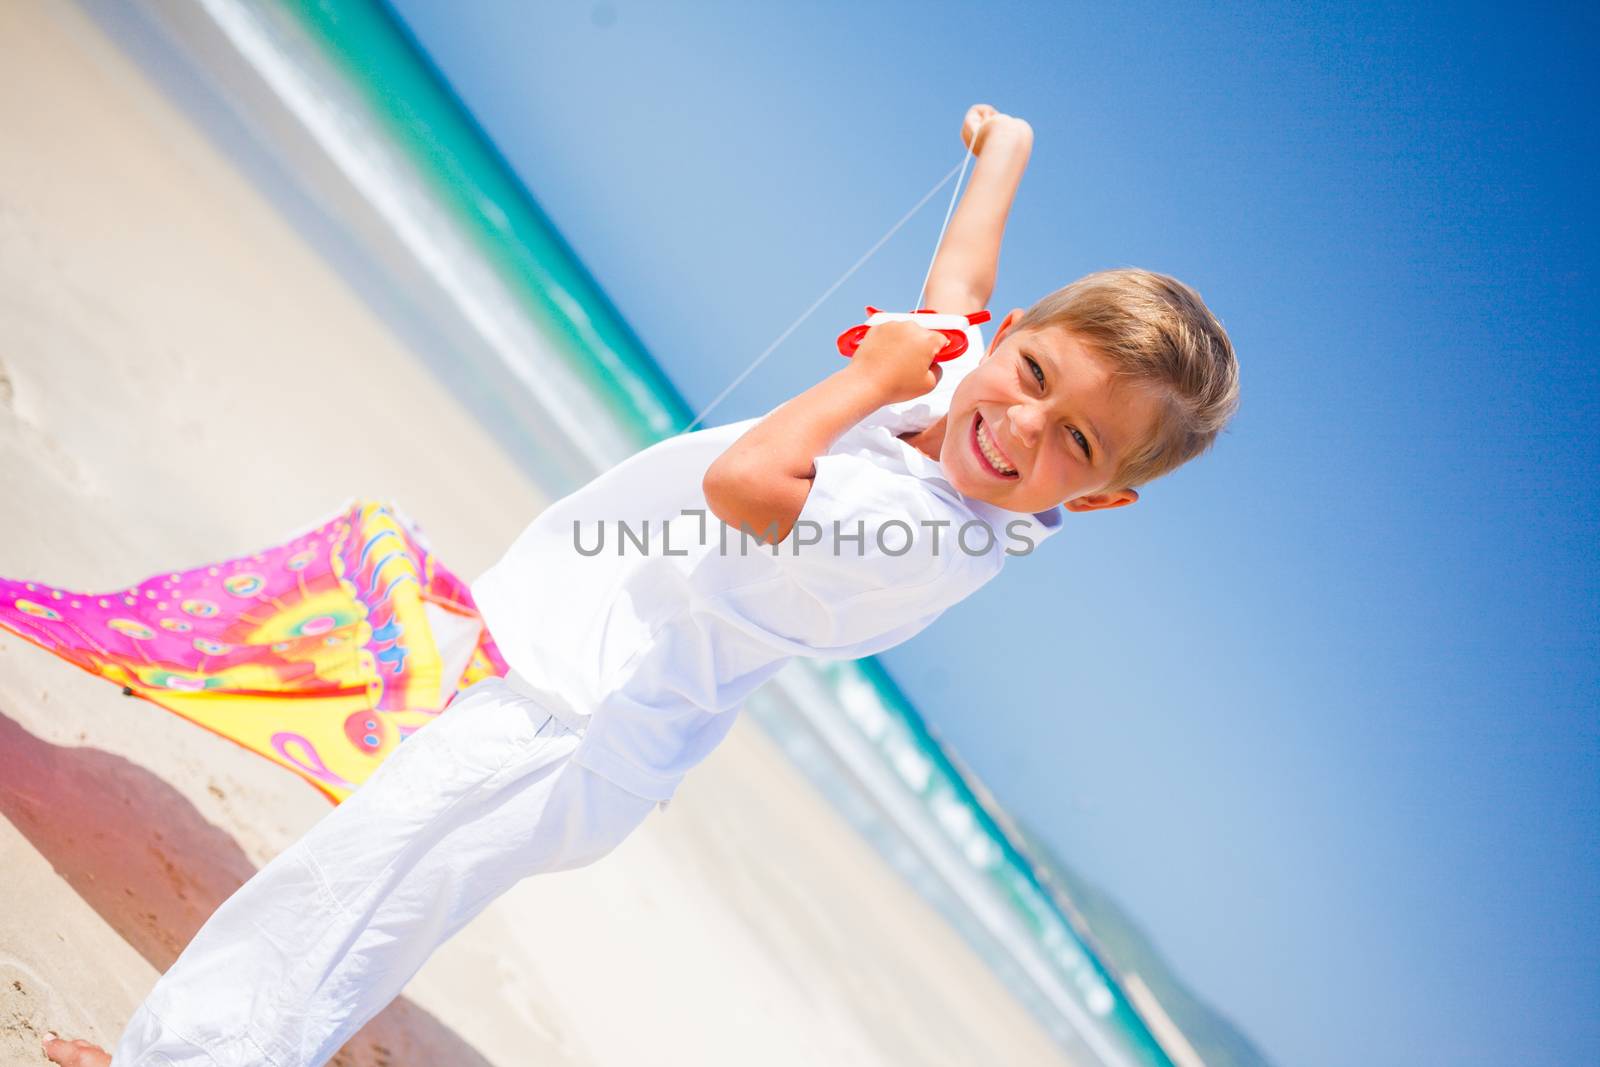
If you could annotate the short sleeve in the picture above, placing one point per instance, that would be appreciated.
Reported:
(872, 558)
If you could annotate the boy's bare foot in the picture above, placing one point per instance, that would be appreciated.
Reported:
(75, 1053)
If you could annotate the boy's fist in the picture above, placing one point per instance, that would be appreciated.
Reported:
(981, 123)
(898, 358)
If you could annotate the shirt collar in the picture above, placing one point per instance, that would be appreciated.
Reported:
(1038, 524)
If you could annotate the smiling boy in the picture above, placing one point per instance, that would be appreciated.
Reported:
(1075, 402)
(629, 668)
(1104, 385)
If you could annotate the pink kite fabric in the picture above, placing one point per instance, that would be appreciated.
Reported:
(322, 654)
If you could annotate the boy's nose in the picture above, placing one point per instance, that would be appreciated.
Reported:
(1026, 423)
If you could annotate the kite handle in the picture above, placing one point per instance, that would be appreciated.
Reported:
(952, 327)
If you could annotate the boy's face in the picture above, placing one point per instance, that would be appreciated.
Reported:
(1038, 423)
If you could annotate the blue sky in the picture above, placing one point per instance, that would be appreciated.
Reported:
(1321, 709)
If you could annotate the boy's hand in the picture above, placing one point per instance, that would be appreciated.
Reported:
(897, 357)
(983, 122)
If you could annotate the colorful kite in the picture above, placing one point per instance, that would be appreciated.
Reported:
(321, 654)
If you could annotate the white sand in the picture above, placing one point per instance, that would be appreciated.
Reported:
(181, 380)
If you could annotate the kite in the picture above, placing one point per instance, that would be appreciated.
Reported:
(322, 654)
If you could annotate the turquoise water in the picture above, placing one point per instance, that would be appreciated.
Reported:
(347, 66)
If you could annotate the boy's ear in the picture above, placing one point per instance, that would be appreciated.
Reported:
(1003, 327)
(1113, 498)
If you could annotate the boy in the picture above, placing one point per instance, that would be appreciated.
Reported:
(635, 627)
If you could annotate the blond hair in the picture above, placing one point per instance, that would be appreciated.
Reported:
(1156, 333)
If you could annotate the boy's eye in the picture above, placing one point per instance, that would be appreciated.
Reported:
(1038, 372)
(1083, 442)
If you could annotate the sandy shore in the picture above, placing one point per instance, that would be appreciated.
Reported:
(183, 379)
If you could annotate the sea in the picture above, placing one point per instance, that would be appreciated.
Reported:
(345, 123)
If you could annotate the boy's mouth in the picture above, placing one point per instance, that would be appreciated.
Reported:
(989, 455)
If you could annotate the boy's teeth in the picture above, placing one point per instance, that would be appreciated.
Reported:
(991, 453)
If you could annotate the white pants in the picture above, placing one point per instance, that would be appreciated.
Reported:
(327, 934)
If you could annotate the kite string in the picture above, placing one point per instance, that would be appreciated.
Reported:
(966, 158)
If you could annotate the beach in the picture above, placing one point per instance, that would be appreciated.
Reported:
(184, 378)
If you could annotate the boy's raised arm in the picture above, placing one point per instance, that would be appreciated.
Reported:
(761, 482)
(964, 268)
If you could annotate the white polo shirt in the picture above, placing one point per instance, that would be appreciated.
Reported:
(633, 613)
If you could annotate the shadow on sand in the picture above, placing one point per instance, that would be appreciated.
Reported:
(154, 869)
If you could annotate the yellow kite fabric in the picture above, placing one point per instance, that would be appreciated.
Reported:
(322, 654)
